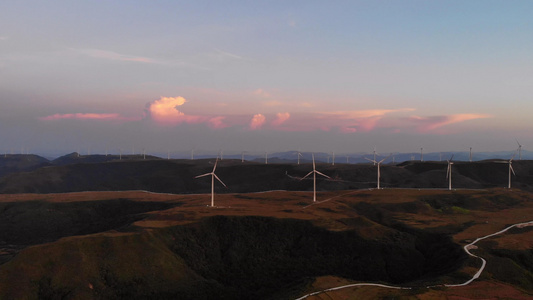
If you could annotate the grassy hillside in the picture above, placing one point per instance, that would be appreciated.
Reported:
(277, 245)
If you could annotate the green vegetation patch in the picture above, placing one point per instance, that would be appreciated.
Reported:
(512, 266)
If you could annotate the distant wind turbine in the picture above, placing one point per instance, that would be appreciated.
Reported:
(213, 176)
(314, 172)
(242, 156)
(332, 158)
(299, 155)
(519, 150)
(379, 165)
(421, 154)
(266, 158)
(470, 158)
(449, 173)
(374, 155)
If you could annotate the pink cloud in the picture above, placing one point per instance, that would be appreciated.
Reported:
(356, 120)
(217, 122)
(281, 118)
(369, 113)
(83, 116)
(257, 121)
(164, 111)
(426, 124)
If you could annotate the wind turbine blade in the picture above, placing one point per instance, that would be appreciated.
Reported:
(219, 180)
(448, 170)
(215, 166)
(322, 174)
(370, 160)
(518, 143)
(512, 170)
(203, 175)
(451, 157)
(512, 157)
(307, 175)
(384, 159)
(314, 162)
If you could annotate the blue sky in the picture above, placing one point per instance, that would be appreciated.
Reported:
(269, 76)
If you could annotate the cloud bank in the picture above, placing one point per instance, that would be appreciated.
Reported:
(427, 124)
(167, 111)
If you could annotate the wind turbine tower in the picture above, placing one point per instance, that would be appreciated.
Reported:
(379, 165)
(314, 172)
(449, 173)
(266, 157)
(421, 154)
(510, 170)
(213, 176)
(332, 158)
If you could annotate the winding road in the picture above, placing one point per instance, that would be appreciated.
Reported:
(467, 249)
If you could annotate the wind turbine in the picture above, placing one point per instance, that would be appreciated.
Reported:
(266, 157)
(299, 155)
(379, 165)
(242, 156)
(519, 150)
(449, 172)
(314, 172)
(332, 158)
(374, 155)
(510, 162)
(470, 154)
(421, 154)
(213, 176)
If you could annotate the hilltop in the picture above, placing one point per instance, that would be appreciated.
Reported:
(275, 245)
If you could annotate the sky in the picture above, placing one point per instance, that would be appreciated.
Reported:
(256, 76)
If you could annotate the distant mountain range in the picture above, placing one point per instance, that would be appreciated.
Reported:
(73, 172)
